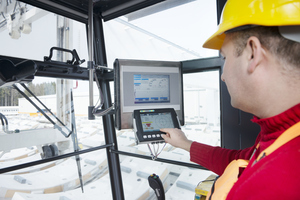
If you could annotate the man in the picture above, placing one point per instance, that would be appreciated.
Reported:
(260, 43)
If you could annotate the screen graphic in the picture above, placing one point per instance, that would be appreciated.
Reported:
(151, 88)
(156, 121)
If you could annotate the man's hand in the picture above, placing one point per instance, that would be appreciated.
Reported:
(176, 138)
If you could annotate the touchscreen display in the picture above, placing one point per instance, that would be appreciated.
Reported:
(156, 121)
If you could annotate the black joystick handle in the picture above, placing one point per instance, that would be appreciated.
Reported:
(156, 184)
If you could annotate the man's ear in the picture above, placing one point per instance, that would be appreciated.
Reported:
(255, 53)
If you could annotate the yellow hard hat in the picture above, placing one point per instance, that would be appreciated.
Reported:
(237, 13)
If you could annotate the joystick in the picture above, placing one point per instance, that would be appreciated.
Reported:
(156, 184)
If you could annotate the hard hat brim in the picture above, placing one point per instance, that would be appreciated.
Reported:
(215, 41)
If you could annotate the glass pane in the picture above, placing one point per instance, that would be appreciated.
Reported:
(175, 34)
(202, 107)
(202, 119)
(179, 182)
(172, 31)
(57, 179)
(32, 34)
(30, 136)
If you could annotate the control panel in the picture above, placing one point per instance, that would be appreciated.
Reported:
(147, 124)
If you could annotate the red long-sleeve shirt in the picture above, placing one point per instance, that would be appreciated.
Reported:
(277, 176)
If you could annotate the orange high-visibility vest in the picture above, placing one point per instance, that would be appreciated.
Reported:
(224, 183)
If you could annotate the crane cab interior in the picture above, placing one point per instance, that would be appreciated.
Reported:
(73, 75)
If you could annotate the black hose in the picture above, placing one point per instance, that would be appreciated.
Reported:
(3, 117)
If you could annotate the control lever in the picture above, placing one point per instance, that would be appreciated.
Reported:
(156, 184)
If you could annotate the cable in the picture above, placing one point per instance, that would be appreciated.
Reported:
(100, 101)
(5, 125)
(104, 112)
(4, 122)
(5, 119)
(156, 151)
(1, 117)
(161, 149)
(101, 98)
(151, 153)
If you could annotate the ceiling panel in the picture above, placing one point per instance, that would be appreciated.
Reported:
(78, 9)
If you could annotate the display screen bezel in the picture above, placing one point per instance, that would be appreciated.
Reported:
(124, 71)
